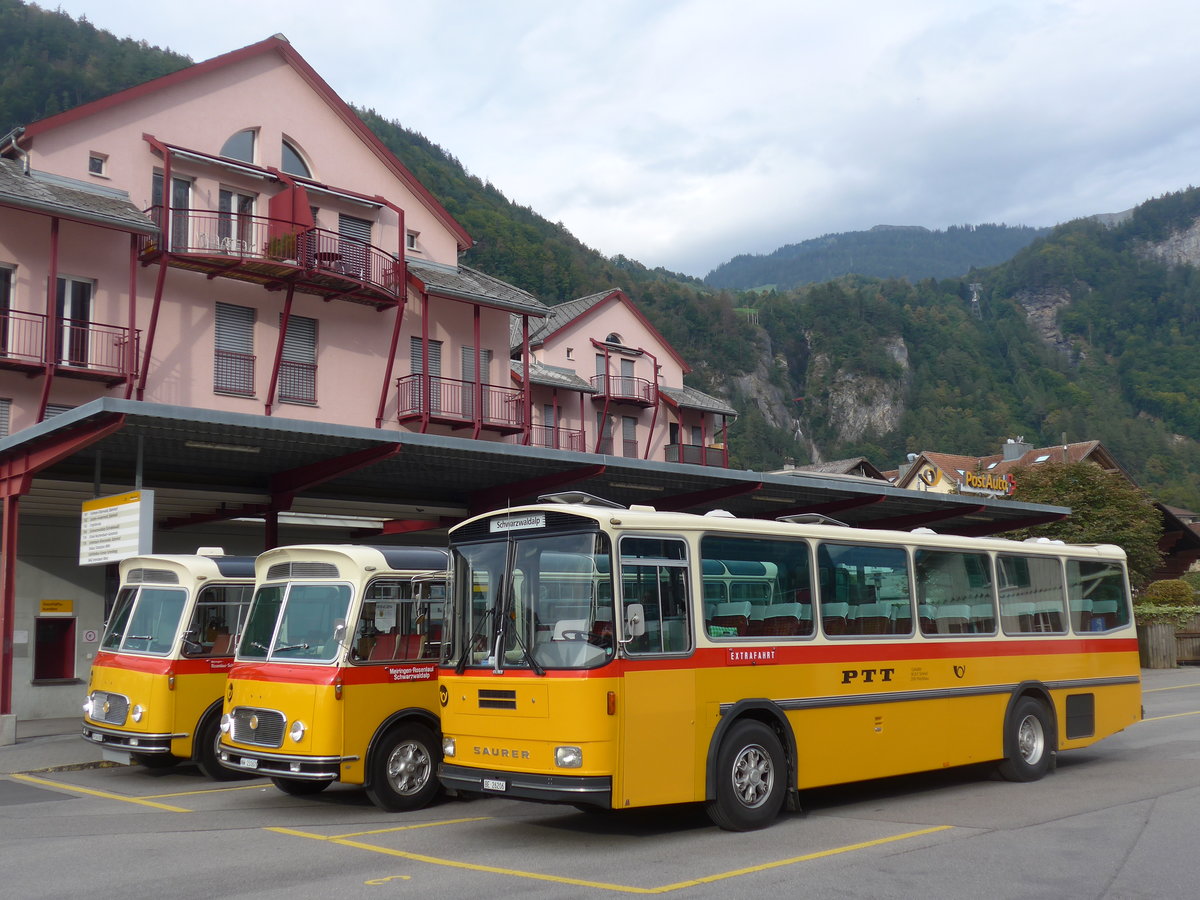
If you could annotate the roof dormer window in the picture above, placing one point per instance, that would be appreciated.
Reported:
(613, 338)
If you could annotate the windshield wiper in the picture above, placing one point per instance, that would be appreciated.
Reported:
(292, 647)
(260, 646)
(533, 663)
(477, 633)
(140, 637)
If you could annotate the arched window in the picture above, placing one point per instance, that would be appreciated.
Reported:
(240, 146)
(613, 338)
(292, 162)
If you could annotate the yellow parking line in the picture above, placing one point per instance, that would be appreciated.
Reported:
(1174, 687)
(1171, 716)
(105, 794)
(622, 888)
(241, 787)
(410, 827)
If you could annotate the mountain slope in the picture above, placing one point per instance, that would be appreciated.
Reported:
(886, 251)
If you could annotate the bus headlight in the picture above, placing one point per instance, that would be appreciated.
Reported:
(87, 705)
(448, 747)
(297, 732)
(226, 723)
(568, 757)
(137, 712)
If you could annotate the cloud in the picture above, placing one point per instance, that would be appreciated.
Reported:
(682, 133)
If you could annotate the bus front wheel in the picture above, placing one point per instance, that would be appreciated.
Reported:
(403, 768)
(207, 752)
(751, 778)
(1027, 741)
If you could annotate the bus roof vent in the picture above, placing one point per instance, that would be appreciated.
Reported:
(720, 514)
(811, 518)
(641, 507)
(578, 497)
(923, 530)
(151, 576)
(210, 551)
(302, 570)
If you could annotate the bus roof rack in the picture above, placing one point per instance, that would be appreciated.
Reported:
(578, 497)
(811, 518)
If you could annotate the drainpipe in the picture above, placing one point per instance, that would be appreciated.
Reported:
(12, 140)
(654, 385)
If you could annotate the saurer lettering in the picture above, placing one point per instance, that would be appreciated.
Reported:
(501, 751)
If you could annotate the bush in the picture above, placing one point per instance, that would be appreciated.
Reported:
(1172, 592)
(1171, 602)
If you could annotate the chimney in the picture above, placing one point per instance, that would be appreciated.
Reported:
(1015, 448)
(905, 466)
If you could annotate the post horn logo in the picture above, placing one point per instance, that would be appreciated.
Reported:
(443, 695)
(960, 671)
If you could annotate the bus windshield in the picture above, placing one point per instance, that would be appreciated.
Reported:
(533, 602)
(144, 620)
(296, 622)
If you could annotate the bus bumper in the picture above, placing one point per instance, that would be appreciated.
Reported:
(594, 790)
(133, 742)
(284, 765)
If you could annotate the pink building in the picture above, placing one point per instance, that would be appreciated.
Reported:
(284, 259)
(231, 242)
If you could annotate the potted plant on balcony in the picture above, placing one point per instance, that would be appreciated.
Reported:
(1160, 610)
(282, 246)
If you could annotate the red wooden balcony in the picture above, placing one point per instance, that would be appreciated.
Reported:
(625, 389)
(275, 253)
(697, 455)
(460, 404)
(89, 350)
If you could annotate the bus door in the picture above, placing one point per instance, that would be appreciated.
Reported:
(394, 653)
(659, 694)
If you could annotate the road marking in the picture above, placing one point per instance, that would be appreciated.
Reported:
(241, 787)
(411, 827)
(1175, 687)
(70, 788)
(622, 888)
(1171, 716)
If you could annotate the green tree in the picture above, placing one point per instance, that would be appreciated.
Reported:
(1105, 509)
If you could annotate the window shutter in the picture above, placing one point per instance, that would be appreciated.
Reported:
(235, 329)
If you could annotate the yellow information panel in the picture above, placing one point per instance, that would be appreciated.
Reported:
(56, 607)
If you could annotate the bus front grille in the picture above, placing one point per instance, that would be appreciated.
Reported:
(493, 699)
(259, 727)
(109, 708)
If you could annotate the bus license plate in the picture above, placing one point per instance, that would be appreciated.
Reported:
(249, 763)
(493, 784)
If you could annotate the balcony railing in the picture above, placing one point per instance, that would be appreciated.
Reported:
(454, 401)
(297, 381)
(233, 373)
(272, 251)
(696, 455)
(86, 349)
(555, 438)
(627, 448)
(625, 389)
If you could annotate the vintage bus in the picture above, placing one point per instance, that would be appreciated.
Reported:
(851, 654)
(157, 681)
(336, 672)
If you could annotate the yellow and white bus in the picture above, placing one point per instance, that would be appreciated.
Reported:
(336, 672)
(869, 654)
(157, 681)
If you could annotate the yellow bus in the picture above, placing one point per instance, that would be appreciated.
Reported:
(336, 672)
(157, 681)
(869, 654)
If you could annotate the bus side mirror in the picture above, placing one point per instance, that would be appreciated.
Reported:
(635, 620)
(339, 630)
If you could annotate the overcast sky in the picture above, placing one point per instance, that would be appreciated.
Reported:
(683, 132)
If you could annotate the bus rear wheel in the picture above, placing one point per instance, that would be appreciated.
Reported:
(751, 778)
(301, 787)
(402, 773)
(1027, 741)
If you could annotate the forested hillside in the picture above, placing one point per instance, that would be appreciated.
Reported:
(886, 251)
(1089, 332)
